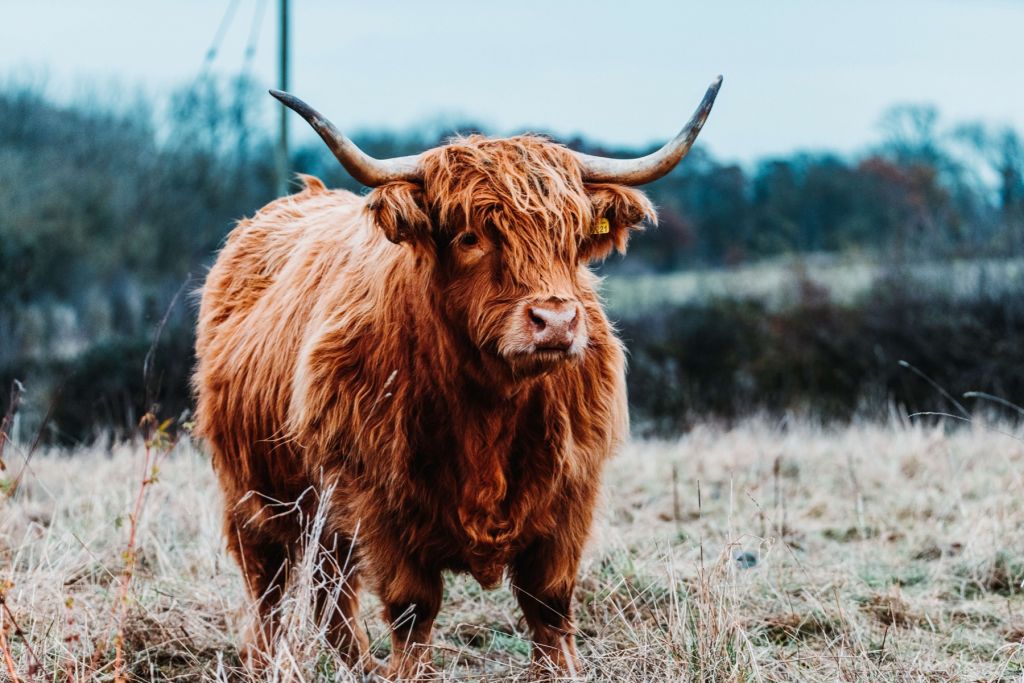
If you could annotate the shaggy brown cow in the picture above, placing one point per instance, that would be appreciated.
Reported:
(434, 355)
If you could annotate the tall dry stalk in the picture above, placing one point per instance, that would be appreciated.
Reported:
(157, 442)
(6, 616)
(5, 649)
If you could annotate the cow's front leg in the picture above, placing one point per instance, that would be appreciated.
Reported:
(412, 597)
(543, 579)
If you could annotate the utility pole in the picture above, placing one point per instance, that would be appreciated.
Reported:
(281, 157)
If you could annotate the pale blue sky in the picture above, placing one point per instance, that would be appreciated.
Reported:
(799, 74)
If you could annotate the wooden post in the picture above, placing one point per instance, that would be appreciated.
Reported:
(281, 157)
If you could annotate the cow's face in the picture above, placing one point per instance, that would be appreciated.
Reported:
(509, 228)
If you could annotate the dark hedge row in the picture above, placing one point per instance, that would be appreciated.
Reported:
(729, 358)
(105, 390)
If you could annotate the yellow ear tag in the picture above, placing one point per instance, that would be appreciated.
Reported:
(603, 227)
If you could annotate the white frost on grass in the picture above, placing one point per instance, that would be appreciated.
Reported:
(879, 552)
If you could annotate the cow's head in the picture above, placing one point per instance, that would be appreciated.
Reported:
(509, 226)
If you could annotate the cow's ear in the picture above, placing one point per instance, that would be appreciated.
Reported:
(618, 210)
(398, 209)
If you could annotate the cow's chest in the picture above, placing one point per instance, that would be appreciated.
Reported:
(495, 496)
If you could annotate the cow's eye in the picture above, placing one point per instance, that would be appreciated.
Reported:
(468, 239)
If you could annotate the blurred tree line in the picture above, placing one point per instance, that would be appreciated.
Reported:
(924, 192)
(106, 213)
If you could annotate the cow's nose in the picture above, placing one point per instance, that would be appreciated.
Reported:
(554, 324)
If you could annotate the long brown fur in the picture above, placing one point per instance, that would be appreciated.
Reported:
(364, 344)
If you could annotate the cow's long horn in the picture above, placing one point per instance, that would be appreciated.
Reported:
(360, 165)
(657, 164)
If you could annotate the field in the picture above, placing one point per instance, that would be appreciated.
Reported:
(761, 552)
(776, 282)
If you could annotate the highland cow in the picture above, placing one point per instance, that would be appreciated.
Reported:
(434, 355)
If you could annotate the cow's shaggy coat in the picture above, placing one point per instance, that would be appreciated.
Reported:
(372, 346)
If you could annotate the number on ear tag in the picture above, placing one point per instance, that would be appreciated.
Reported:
(603, 227)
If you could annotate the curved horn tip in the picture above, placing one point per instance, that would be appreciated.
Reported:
(714, 87)
(716, 84)
(285, 98)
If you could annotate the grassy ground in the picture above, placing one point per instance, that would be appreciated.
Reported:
(776, 552)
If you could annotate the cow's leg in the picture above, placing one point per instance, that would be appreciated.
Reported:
(543, 580)
(264, 564)
(337, 601)
(412, 598)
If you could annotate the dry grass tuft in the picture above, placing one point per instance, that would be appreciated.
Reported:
(891, 609)
(765, 552)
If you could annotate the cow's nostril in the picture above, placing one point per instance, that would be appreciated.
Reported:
(573, 320)
(538, 322)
